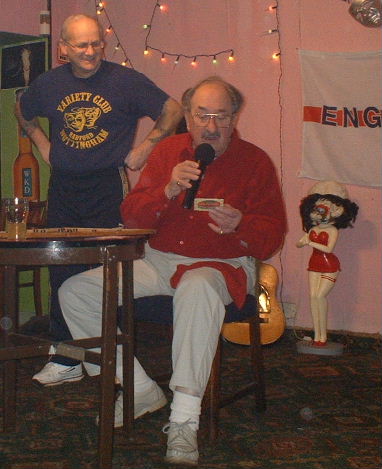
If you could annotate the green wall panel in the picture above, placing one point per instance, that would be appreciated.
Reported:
(12, 78)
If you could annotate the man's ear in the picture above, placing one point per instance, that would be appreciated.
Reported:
(235, 118)
(63, 48)
(187, 116)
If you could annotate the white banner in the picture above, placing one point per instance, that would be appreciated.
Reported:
(342, 104)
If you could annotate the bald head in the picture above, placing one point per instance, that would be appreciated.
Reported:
(234, 94)
(67, 26)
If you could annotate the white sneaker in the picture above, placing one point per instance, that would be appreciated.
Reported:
(182, 444)
(144, 403)
(54, 374)
(148, 402)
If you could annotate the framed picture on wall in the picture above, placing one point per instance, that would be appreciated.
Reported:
(22, 63)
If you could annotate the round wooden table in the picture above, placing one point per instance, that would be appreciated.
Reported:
(75, 246)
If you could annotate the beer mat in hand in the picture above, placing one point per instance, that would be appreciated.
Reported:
(81, 232)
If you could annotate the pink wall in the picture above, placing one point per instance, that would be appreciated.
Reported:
(271, 118)
(17, 18)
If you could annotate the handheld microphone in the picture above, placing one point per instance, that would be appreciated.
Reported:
(204, 155)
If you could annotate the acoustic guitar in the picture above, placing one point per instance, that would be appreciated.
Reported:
(272, 316)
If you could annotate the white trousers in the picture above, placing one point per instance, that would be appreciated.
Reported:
(199, 310)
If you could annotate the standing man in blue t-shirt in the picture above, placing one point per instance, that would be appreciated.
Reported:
(93, 107)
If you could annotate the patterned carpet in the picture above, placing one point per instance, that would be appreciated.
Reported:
(323, 413)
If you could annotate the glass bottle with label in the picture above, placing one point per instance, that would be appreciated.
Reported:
(26, 175)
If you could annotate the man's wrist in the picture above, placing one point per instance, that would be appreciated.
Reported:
(171, 193)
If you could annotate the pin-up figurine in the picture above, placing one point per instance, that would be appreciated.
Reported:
(324, 211)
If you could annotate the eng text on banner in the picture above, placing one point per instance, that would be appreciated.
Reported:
(342, 102)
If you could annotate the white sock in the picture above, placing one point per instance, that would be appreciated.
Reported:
(186, 407)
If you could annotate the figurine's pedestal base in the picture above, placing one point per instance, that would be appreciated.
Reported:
(330, 348)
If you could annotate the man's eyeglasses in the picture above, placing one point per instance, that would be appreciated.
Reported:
(221, 120)
(83, 46)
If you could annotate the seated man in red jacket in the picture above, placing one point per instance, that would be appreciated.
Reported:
(201, 257)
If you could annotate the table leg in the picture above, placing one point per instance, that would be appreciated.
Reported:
(108, 358)
(8, 324)
(127, 327)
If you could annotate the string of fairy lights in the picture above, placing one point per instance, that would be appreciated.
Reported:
(165, 55)
(101, 10)
(274, 31)
(178, 55)
(273, 9)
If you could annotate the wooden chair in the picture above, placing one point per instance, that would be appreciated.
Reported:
(158, 310)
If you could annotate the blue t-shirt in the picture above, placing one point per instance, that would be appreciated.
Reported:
(93, 120)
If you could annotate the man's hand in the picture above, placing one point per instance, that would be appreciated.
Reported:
(226, 219)
(181, 176)
(137, 157)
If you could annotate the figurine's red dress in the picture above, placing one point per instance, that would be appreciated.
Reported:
(322, 261)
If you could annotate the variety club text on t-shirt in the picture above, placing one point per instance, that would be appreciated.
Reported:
(81, 112)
